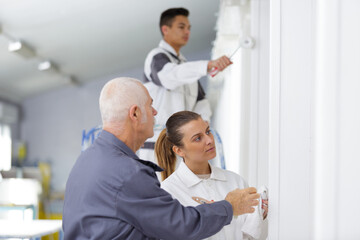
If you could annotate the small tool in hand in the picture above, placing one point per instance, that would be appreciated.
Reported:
(201, 200)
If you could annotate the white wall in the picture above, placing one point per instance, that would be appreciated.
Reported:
(337, 118)
(290, 92)
(259, 95)
(314, 119)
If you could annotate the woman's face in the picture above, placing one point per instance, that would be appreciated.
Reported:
(198, 142)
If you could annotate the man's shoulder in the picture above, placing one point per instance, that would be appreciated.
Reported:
(156, 52)
(102, 154)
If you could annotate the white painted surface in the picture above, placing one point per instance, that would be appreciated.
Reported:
(349, 121)
(290, 119)
(314, 119)
(259, 95)
(325, 118)
(274, 120)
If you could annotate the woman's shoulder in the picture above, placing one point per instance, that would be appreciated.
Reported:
(231, 176)
(171, 181)
(178, 189)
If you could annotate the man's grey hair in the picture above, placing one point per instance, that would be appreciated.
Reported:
(118, 95)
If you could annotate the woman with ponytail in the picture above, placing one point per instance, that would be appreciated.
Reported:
(195, 181)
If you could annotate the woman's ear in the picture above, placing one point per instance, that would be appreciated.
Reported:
(178, 151)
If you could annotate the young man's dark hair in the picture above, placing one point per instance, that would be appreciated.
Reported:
(167, 17)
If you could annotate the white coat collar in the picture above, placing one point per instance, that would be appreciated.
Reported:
(164, 45)
(190, 179)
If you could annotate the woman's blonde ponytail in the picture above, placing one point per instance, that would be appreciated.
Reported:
(165, 156)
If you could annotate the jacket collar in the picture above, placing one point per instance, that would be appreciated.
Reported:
(190, 179)
(164, 45)
(117, 143)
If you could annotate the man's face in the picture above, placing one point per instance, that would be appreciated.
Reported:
(179, 32)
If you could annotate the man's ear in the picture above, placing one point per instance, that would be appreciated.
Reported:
(178, 151)
(134, 113)
(164, 29)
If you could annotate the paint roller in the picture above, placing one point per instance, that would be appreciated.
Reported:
(246, 42)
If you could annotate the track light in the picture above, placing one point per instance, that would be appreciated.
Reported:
(21, 49)
(26, 51)
(47, 66)
(72, 80)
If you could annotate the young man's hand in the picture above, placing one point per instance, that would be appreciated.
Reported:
(220, 63)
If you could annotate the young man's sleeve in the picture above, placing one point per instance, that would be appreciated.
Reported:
(162, 72)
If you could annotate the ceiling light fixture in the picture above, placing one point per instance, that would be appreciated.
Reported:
(26, 51)
(47, 66)
(21, 49)
(71, 80)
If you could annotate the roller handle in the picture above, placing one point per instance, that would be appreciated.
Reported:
(213, 71)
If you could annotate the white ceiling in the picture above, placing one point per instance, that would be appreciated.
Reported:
(87, 39)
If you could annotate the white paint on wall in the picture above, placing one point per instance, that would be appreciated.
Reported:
(325, 117)
(314, 119)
